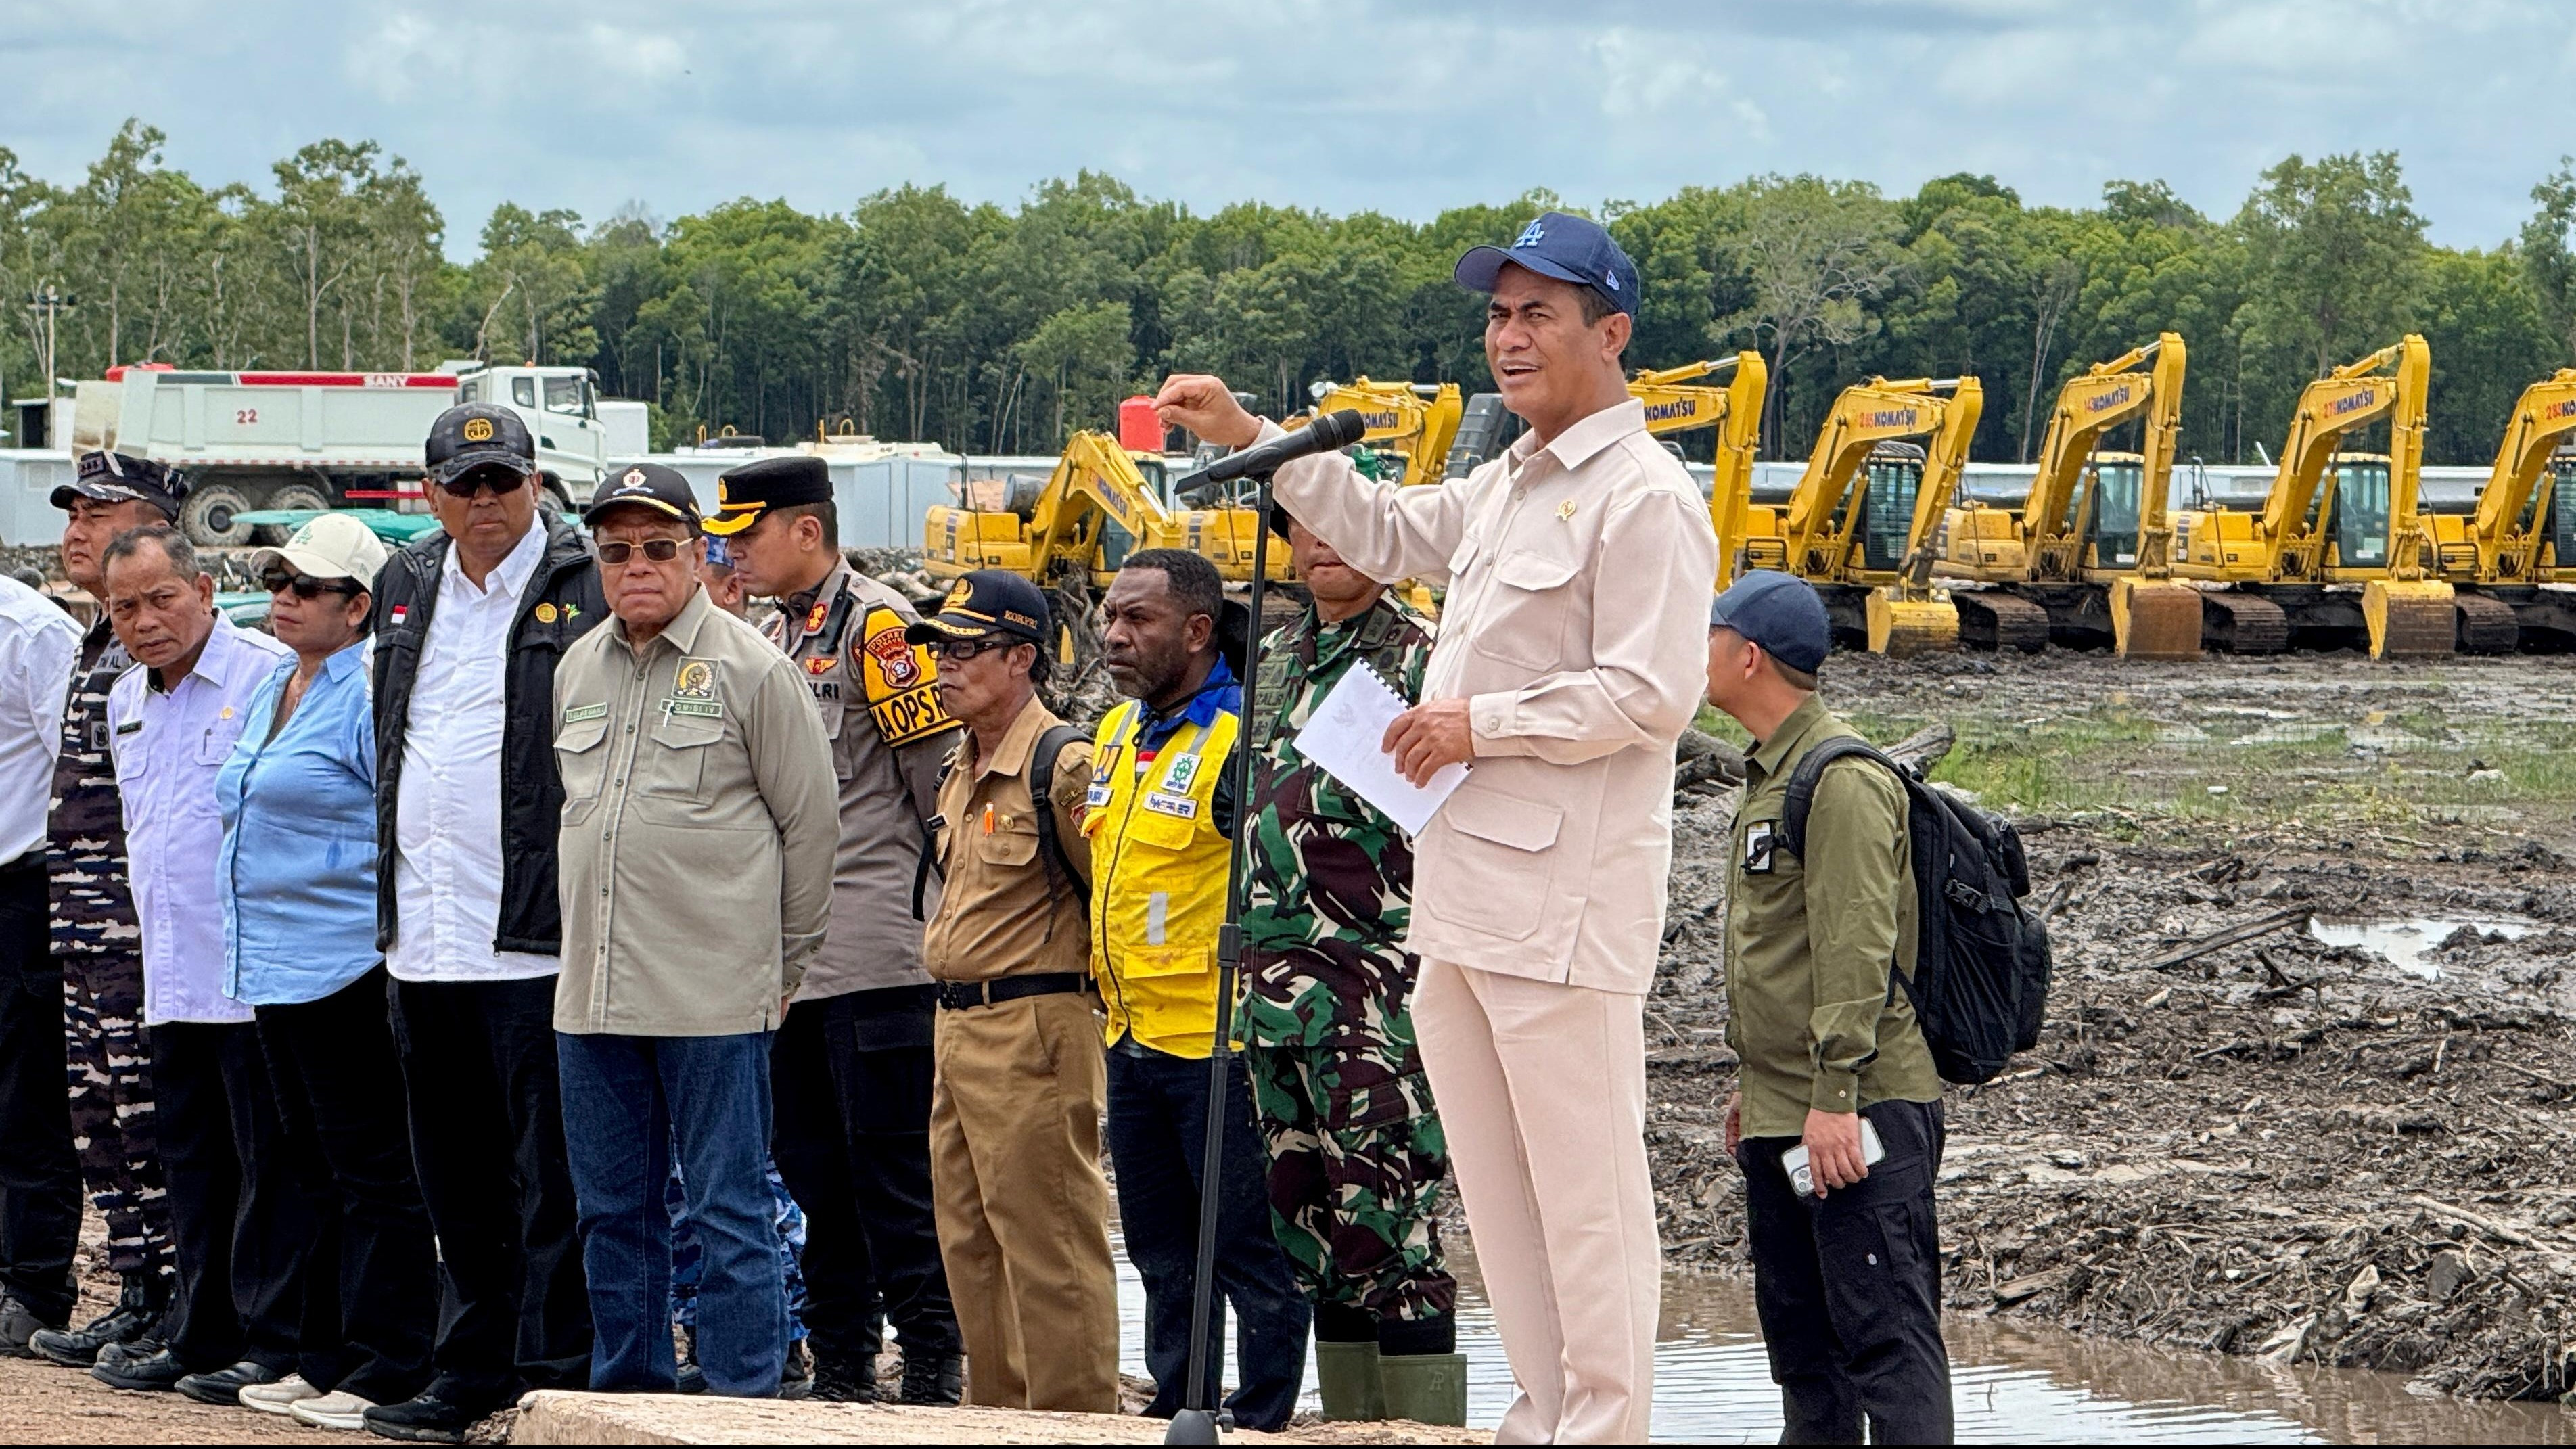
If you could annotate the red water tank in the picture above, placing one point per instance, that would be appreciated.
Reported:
(1139, 431)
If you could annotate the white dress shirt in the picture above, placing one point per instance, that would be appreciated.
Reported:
(447, 813)
(39, 645)
(169, 744)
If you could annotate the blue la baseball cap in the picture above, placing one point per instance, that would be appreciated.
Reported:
(1568, 248)
(1780, 612)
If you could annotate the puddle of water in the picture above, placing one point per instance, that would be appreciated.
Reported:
(2010, 1383)
(2408, 944)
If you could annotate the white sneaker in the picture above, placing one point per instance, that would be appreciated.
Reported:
(333, 1411)
(280, 1397)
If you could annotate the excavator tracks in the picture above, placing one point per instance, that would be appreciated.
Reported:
(1994, 619)
(2244, 624)
(2487, 626)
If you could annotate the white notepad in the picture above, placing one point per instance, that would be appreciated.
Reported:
(1343, 736)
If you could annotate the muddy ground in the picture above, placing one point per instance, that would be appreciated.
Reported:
(2279, 1146)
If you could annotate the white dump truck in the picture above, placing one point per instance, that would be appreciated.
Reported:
(263, 440)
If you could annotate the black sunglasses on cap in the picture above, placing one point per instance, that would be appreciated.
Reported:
(278, 578)
(498, 481)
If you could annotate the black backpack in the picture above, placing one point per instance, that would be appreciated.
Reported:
(1981, 964)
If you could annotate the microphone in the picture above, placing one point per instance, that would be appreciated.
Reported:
(1324, 435)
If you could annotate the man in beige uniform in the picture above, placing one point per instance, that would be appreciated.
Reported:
(1571, 654)
(1015, 1113)
(696, 870)
(852, 1067)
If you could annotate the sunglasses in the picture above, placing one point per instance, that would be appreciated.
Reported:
(499, 482)
(659, 550)
(959, 651)
(279, 580)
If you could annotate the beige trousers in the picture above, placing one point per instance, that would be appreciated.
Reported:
(1542, 1092)
(1023, 1208)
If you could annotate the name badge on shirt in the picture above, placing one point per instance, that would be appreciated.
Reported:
(580, 712)
(1098, 795)
(1180, 807)
(694, 708)
(127, 728)
(1761, 847)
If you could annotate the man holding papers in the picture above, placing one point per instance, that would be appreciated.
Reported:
(1356, 1156)
(1572, 649)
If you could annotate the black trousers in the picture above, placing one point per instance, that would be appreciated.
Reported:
(39, 1175)
(1849, 1289)
(487, 1139)
(242, 1230)
(371, 1287)
(850, 1093)
(1158, 1106)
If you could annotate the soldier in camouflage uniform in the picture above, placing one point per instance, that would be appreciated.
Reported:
(1356, 1155)
(95, 935)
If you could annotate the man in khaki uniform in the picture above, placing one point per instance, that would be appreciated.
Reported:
(696, 870)
(1570, 656)
(1015, 1110)
(1848, 1286)
(852, 1068)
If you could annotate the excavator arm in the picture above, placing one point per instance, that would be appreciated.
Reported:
(1818, 530)
(2105, 396)
(1094, 483)
(2352, 396)
(1417, 420)
(2507, 531)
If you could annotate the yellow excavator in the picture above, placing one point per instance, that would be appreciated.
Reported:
(2522, 534)
(1073, 530)
(1860, 524)
(2087, 559)
(2332, 517)
(1409, 423)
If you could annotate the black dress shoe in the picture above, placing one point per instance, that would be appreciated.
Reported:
(425, 1419)
(137, 1308)
(224, 1386)
(932, 1380)
(131, 1349)
(156, 1371)
(20, 1323)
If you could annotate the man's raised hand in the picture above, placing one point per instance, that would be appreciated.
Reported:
(1206, 406)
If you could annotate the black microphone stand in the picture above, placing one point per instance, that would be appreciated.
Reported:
(1199, 1421)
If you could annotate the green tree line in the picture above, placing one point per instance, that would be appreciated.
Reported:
(919, 315)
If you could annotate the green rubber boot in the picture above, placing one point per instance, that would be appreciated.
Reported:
(1346, 1376)
(1428, 1388)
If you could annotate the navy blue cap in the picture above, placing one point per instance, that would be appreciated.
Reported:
(984, 603)
(478, 435)
(648, 486)
(1780, 612)
(1568, 248)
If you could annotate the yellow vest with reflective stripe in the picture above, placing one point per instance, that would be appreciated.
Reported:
(1158, 879)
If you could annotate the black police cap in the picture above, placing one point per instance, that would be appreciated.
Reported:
(475, 435)
(744, 493)
(982, 604)
(648, 486)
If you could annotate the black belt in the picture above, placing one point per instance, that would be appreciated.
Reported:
(959, 995)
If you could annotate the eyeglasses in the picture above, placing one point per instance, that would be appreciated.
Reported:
(659, 550)
(959, 651)
(499, 482)
(279, 580)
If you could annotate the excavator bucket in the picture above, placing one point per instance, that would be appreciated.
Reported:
(2409, 620)
(2156, 619)
(1900, 627)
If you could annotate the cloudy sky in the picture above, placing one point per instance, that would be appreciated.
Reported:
(1404, 108)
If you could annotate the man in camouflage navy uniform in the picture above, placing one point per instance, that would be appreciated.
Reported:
(851, 1067)
(95, 936)
(1356, 1155)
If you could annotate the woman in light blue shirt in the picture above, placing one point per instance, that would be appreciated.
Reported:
(298, 875)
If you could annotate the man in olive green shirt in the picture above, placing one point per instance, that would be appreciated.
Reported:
(1847, 1283)
(699, 826)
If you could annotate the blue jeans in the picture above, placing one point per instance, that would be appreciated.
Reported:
(1157, 1138)
(627, 1100)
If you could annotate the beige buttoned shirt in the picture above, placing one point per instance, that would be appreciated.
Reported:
(698, 829)
(1576, 627)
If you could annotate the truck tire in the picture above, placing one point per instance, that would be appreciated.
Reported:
(300, 496)
(210, 516)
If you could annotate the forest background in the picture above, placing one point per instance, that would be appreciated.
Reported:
(918, 315)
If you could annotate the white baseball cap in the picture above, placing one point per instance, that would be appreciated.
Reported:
(333, 546)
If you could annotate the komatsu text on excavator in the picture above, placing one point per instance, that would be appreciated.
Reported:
(2523, 535)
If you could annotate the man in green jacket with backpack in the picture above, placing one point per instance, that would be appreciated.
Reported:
(1835, 1073)
(1016, 1100)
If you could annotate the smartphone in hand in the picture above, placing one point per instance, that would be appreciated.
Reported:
(1803, 1179)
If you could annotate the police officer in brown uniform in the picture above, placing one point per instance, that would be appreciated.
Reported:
(851, 1069)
